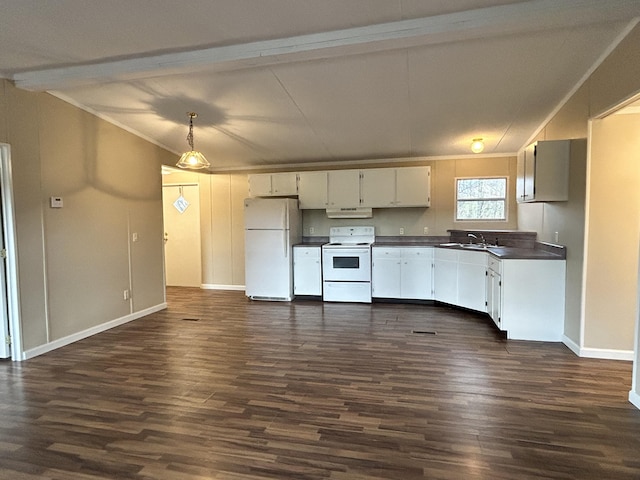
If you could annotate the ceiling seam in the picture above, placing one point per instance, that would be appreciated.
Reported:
(306, 120)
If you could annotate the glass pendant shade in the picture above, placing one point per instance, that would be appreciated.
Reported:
(193, 159)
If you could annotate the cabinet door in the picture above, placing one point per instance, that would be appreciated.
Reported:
(472, 284)
(343, 188)
(494, 297)
(284, 184)
(416, 279)
(307, 271)
(260, 185)
(413, 187)
(378, 187)
(552, 170)
(312, 190)
(385, 272)
(529, 173)
(446, 275)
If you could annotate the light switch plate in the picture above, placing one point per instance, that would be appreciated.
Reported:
(56, 202)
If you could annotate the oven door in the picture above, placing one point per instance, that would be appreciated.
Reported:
(346, 264)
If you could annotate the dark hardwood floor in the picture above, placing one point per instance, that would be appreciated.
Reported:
(219, 387)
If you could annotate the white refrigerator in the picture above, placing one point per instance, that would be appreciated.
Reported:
(272, 227)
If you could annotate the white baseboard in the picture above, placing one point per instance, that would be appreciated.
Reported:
(215, 286)
(634, 398)
(61, 342)
(573, 346)
(602, 353)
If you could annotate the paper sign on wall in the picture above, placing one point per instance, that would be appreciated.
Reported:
(181, 204)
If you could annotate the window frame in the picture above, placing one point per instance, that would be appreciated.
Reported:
(483, 220)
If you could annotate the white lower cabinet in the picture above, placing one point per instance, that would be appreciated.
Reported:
(460, 278)
(523, 297)
(494, 291)
(402, 272)
(307, 270)
(532, 299)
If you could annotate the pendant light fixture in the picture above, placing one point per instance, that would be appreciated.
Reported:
(192, 159)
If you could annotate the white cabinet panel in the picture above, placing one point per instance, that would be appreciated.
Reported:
(413, 187)
(312, 190)
(472, 272)
(417, 273)
(446, 275)
(385, 272)
(378, 187)
(343, 188)
(402, 272)
(273, 184)
(543, 171)
(307, 270)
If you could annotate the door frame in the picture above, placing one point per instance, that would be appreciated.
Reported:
(11, 262)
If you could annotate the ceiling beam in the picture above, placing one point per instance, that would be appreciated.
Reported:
(522, 17)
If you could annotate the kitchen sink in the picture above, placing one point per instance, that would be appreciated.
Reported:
(469, 246)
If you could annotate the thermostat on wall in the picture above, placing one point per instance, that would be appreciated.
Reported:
(56, 202)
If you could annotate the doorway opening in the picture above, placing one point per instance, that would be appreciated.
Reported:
(9, 295)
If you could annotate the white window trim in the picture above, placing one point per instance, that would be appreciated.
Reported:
(479, 220)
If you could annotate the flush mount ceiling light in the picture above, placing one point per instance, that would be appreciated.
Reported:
(477, 145)
(192, 159)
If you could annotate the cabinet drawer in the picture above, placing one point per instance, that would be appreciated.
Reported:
(495, 264)
(386, 252)
(417, 252)
(306, 252)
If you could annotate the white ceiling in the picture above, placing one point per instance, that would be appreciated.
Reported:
(284, 82)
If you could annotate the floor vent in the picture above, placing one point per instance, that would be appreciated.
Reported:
(424, 332)
(191, 319)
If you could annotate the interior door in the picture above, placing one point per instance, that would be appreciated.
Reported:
(182, 256)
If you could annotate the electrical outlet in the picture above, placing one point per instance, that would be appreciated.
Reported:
(426, 230)
(312, 230)
(401, 230)
(134, 237)
(126, 295)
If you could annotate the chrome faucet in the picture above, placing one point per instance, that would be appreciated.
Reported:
(482, 240)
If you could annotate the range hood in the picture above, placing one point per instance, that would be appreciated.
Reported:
(351, 212)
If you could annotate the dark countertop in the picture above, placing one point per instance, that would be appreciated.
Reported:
(498, 252)
(505, 253)
(540, 252)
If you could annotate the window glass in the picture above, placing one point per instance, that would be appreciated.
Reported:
(481, 199)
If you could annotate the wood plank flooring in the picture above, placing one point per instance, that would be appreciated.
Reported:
(220, 387)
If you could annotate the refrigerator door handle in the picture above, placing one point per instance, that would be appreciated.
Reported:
(285, 242)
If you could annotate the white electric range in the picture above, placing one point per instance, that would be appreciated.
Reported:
(346, 264)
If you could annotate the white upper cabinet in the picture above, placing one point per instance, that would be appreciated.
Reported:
(413, 187)
(395, 187)
(343, 188)
(543, 172)
(312, 190)
(273, 184)
(371, 188)
(378, 187)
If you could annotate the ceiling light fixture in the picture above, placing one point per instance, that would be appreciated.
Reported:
(192, 159)
(477, 145)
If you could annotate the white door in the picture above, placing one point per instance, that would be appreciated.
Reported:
(182, 256)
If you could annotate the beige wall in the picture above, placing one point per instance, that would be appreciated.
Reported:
(613, 233)
(74, 263)
(615, 80)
